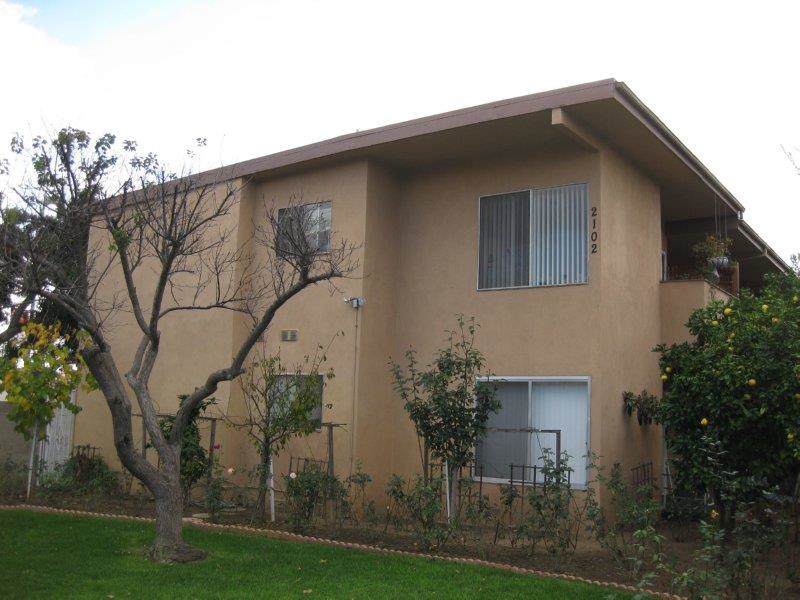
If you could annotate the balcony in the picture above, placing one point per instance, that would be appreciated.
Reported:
(725, 280)
(751, 258)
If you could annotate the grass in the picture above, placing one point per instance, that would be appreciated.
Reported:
(62, 556)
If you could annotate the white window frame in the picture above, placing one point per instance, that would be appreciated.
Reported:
(530, 190)
(531, 379)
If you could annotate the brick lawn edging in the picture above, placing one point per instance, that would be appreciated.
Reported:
(278, 534)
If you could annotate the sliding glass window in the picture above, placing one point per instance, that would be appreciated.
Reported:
(533, 238)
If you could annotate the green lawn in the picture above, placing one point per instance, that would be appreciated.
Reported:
(61, 556)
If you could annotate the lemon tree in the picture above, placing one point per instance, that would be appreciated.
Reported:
(38, 372)
(737, 384)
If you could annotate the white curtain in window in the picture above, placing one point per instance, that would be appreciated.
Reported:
(558, 226)
(504, 259)
(561, 405)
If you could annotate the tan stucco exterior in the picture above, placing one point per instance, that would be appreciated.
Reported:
(418, 223)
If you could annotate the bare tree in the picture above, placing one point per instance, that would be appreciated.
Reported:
(179, 234)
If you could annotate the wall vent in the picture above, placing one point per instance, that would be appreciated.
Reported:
(289, 335)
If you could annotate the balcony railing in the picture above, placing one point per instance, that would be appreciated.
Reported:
(728, 279)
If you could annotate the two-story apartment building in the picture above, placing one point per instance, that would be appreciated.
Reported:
(562, 221)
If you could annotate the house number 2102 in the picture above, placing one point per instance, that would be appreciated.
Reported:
(594, 235)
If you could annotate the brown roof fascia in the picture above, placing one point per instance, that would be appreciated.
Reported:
(577, 94)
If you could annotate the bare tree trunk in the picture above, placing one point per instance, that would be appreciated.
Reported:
(169, 539)
(168, 545)
(165, 482)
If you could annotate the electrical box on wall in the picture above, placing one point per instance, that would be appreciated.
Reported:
(289, 335)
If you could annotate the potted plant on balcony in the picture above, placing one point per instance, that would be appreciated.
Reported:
(712, 253)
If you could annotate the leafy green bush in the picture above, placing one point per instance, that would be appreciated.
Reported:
(504, 522)
(362, 510)
(307, 491)
(421, 502)
(450, 403)
(13, 478)
(735, 392)
(554, 518)
(475, 510)
(735, 564)
(626, 527)
(214, 491)
(81, 474)
(194, 458)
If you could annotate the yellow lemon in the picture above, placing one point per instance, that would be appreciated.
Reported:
(728, 312)
(747, 396)
(797, 396)
(732, 335)
(730, 348)
(751, 382)
(664, 378)
(795, 299)
(668, 370)
(765, 307)
(714, 323)
(790, 437)
(703, 421)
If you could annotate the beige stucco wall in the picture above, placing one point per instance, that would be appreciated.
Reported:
(318, 314)
(679, 299)
(524, 332)
(418, 236)
(628, 326)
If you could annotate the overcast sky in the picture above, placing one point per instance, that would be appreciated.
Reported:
(256, 77)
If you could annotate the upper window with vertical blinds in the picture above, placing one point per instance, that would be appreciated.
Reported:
(533, 238)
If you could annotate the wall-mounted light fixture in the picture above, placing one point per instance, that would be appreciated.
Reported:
(356, 301)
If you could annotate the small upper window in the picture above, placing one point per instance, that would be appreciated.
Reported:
(306, 389)
(312, 220)
(533, 238)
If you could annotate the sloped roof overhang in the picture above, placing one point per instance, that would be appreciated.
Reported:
(607, 108)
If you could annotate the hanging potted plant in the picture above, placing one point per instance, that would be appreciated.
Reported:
(712, 253)
(644, 404)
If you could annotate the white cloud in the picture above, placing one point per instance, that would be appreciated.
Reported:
(257, 77)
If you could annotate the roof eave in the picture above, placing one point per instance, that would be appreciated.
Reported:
(656, 126)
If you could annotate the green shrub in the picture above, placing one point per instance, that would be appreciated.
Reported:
(13, 478)
(307, 491)
(731, 400)
(214, 490)
(627, 527)
(735, 564)
(554, 519)
(82, 474)
(357, 495)
(421, 502)
(194, 458)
